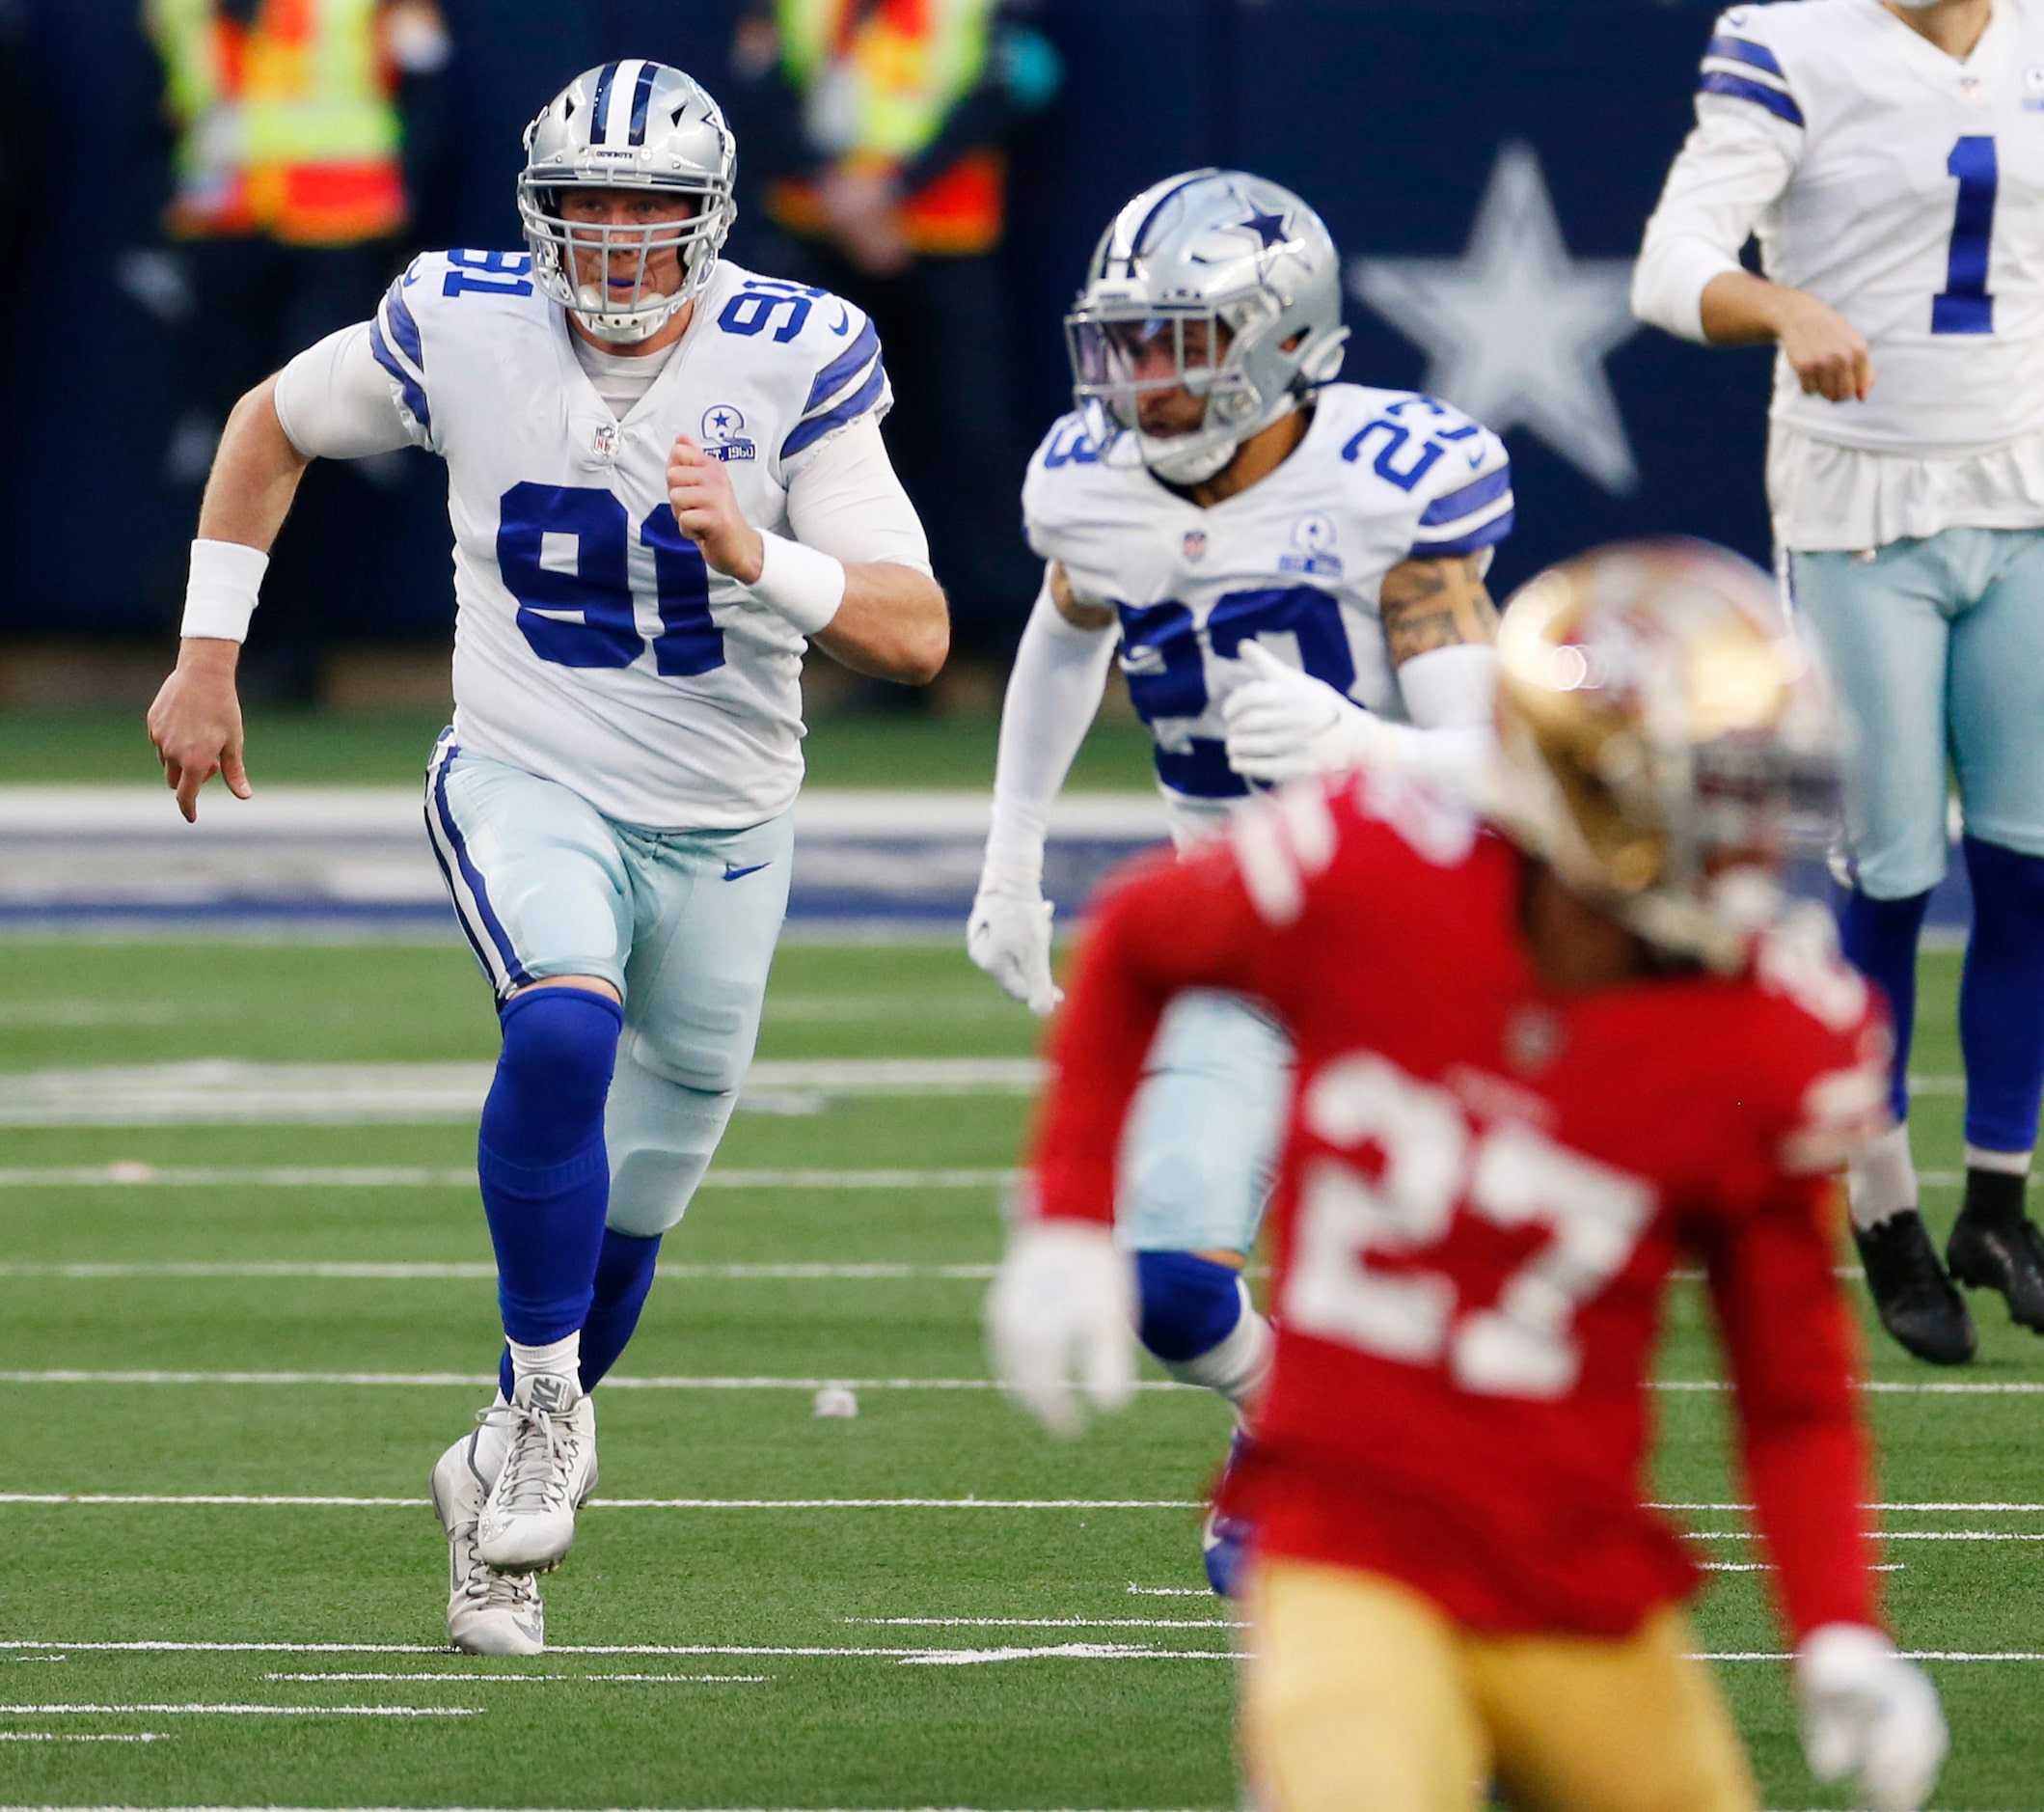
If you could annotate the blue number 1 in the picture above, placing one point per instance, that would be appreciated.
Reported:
(1966, 307)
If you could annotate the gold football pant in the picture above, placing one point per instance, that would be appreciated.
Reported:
(1363, 1696)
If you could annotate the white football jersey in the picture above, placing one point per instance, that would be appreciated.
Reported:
(1913, 203)
(592, 644)
(1296, 561)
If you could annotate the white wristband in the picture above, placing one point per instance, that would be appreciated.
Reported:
(220, 595)
(798, 584)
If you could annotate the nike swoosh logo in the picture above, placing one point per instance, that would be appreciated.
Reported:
(844, 322)
(733, 873)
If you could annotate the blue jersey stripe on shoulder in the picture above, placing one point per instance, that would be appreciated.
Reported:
(839, 372)
(808, 433)
(408, 385)
(641, 98)
(1467, 500)
(404, 328)
(1738, 88)
(1745, 50)
(1474, 542)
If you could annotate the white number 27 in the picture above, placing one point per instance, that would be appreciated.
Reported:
(1524, 1344)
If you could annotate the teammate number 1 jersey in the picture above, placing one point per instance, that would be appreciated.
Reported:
(1296, 561)
(594, 645)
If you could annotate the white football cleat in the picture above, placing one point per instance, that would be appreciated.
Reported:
(528, 1521)
(488, 1612)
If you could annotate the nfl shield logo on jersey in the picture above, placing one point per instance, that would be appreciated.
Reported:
(1195, 544)
(723, 433)
(2033, 88)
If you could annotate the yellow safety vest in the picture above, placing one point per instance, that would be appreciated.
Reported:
(877, 91)
(289, 127)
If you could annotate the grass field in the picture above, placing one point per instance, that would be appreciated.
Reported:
(852, 749)
(764, 1609)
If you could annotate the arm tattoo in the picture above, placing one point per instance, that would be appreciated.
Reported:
(1429, 604)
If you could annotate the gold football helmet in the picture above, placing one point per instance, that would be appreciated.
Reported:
(1665, 739)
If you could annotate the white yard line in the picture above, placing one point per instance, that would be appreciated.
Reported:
(526, 1678)
(435, 1381)
(53, 1736)
(135, 1175)
(1917, 1505)
(440, 1381)
(434, 1272)
(230, 1092)
(1054, 1623)
(1169, 1591)
(281, 1501)
(1888, 1535)
(241, 1711)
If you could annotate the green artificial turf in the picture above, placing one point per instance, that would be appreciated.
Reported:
(883, 749)
(717, 1707)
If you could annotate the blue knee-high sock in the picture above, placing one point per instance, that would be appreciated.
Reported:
(624, 1274)
(1880, 937)
(2002, 998)
(546, 1180)
(1188, 1305)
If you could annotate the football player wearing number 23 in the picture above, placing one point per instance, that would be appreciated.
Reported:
(1891, 158)
(1542, 1052)
(1291, 571)
(665, 476)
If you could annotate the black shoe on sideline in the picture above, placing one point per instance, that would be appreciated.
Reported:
(1916, 1300)
(1996, 1246)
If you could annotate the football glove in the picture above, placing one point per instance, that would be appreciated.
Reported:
(1870, 1717)
(1283, 723)
(1009, 935)
(1063, 1308)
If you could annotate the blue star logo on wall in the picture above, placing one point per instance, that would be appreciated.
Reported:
(1515, 330)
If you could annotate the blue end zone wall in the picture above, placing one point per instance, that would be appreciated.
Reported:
(1392, 119)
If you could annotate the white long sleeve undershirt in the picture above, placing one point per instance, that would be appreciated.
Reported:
(1054, 695)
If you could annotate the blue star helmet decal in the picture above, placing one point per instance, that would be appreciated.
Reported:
(1268, 228)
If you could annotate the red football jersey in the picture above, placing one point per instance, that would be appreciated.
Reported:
(1486, 1185)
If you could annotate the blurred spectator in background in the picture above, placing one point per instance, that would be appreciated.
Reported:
(289, 200)
(875, 133)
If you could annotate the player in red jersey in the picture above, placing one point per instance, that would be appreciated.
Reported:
(1542, 1053)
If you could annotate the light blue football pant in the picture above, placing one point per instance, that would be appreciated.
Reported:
(682, 923)
(1201, 1146)
(1938, 648)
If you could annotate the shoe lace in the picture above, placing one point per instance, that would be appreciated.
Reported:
(542, 1453)
(508, 1591)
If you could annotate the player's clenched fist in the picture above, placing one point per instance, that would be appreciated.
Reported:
(1825, 350)
(706, 508)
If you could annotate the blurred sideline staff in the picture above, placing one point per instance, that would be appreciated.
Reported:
(881, 128)
(289, 197)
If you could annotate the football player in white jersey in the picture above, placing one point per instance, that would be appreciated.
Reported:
(665, 475)
(1890, 159)
(1291, 571)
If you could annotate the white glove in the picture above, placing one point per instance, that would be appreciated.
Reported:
(1009, 935)
(1868, 1716)
(1063, 1308)
(1283, 723)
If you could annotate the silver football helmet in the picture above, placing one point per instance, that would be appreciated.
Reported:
(1240, 255)
(640, 125)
